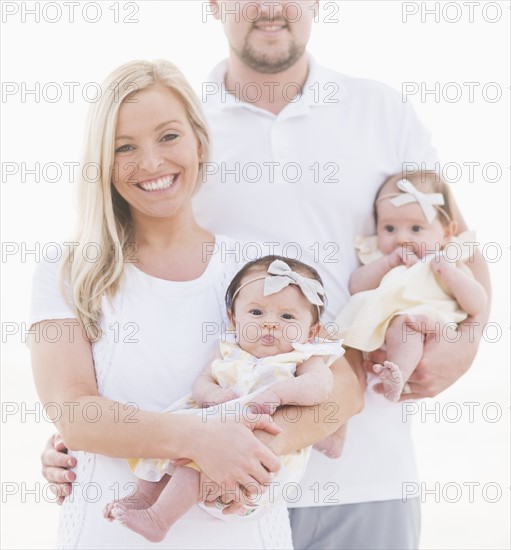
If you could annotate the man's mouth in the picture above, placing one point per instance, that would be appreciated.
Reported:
(270, 26)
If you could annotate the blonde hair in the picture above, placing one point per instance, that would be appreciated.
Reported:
(104, 218)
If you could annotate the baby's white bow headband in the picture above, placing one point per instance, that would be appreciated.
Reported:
(427, 201)
(282, 276)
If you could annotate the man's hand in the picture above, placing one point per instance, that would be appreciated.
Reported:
(56, 463)
(448, 354)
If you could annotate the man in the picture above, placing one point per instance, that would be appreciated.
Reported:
(298, 152)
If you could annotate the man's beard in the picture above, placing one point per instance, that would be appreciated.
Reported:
(269, 64)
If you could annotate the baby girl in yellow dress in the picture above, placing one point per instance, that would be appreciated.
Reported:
(275, 359)
(414, 265)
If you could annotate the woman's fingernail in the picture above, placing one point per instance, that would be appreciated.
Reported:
(69, 476)
(66, 490)
(70, 462)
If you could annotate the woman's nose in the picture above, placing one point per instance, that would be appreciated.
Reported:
(150, 160)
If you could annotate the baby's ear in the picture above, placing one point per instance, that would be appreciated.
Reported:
(450, 230)
(314, 331)
(230, 317)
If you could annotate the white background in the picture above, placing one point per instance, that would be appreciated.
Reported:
(364, 38)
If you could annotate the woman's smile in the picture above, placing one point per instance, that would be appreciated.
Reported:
(158, 184)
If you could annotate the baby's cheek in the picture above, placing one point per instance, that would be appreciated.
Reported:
(250, 332)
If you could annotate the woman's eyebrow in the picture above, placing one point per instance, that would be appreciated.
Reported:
(159, 127)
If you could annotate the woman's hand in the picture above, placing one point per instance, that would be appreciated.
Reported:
(227, 452)
(231, 503)
(55, 467)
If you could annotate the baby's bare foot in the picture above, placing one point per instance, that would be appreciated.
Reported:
(136, 501)
(392, 379)
(332, 445)
(144, 522)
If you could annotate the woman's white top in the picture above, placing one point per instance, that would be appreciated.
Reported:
(157, 336)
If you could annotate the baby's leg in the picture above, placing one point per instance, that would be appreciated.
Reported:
(146, 495)
(174, 501)
(332, 445)
(404, 351)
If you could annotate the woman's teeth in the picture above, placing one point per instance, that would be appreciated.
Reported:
(157, 185)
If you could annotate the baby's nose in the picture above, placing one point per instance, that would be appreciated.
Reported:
(270, 324)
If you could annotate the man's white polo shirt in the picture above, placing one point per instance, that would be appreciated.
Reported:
(303, 182)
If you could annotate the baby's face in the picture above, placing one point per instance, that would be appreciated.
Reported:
(268, 325)
(406, 226)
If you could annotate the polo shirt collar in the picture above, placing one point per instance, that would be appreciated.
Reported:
(313, 92)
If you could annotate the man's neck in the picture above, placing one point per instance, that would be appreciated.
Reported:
(271, 92)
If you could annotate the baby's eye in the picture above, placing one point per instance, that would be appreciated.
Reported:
(256, 312)
(287, 316)
(389, 228)
(124, 148)
(416, 228)
(169, 137)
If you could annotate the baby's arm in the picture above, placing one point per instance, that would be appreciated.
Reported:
(468, 292)
(312, 384)
(367, 277)
(206, 390)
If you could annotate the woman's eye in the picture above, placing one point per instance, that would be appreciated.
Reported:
(416, 228)
(169, 137)
(124, 148)
(255, 312)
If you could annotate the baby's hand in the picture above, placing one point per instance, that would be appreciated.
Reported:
(441, 265)
(265, 403)
(403, 255)
(218, 395)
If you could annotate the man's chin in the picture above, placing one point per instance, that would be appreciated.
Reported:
(271, 63)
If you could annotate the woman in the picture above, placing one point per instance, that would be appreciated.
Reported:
(144, 302)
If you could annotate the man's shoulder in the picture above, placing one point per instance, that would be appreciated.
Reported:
(355, 90)
(361, 85)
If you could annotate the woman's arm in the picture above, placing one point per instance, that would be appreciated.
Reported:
(64, 376)
(304, 426)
